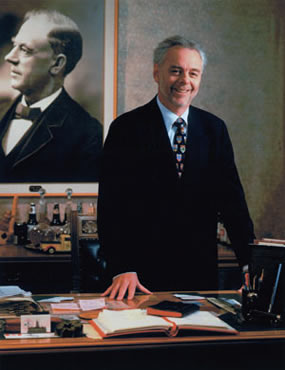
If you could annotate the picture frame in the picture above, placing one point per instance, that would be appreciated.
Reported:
(108, 10)
(87, 227)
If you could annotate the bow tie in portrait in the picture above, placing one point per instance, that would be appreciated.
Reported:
(25, 112)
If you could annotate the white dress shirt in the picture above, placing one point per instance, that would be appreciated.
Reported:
(169, 119)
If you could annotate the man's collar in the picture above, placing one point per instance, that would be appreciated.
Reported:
(170, 117)
(45, 102)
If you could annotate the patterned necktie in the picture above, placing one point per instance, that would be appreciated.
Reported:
(26, 112)
(179, 144)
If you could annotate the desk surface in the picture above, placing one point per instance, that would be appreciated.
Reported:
(53, 345)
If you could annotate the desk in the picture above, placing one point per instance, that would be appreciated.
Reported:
(247, 350)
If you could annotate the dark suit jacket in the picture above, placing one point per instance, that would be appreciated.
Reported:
(64, 144)
(157, 225)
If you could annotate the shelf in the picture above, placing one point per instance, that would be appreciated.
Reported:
(10, 253)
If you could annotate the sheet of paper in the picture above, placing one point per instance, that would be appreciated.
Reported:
(188, 297)
(65, 306)
(29, 336)
(68, 316)
(56, 299)
(90, 332)
(11, 290)
(92, 304)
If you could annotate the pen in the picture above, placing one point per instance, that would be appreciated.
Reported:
(275, 288)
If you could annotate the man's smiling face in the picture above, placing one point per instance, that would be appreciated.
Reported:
(178, 78)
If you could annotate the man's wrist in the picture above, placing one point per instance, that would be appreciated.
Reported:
(123, 273)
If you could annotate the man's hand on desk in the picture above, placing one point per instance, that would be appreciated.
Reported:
(125, 283)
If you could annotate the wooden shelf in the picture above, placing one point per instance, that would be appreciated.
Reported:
(37, 195)
(10, 253)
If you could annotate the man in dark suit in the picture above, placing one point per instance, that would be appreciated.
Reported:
(59, 140)
(161, 189)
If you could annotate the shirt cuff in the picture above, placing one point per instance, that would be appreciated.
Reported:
(123, 273)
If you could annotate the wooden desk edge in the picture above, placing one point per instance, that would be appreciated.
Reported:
(84, 344)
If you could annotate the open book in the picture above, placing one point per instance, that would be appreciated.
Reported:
(117, 323)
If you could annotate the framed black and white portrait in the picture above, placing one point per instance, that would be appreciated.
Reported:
(90, 84)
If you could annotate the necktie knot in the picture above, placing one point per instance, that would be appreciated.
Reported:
(28, 113)
(179, 122)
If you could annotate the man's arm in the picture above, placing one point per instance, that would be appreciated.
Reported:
(233, 204)
(118, 224)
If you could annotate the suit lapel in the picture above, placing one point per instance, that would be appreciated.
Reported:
(159, 140)
(159, 133)
(7, 118)
(195, 147)
(40, 133)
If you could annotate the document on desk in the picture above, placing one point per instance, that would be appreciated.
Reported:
(12, 290)
(92, 304)
(90, 332)
(15, 306)
(64, 307)
(29, 336)
(55, 299)
(188, 297)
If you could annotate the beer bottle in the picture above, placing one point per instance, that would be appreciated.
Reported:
(55, 216)
(42, 231)
(67, 212)
(32, 220)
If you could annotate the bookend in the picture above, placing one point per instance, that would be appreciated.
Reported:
(69, 329)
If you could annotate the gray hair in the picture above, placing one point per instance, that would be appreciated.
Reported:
(162, 48)
(64, 37)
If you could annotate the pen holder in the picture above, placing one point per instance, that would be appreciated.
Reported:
(249, 303)
(253, 310)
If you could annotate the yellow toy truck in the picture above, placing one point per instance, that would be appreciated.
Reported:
(63, 245)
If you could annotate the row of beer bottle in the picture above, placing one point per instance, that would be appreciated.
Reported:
(41, 227)
(55, 221)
